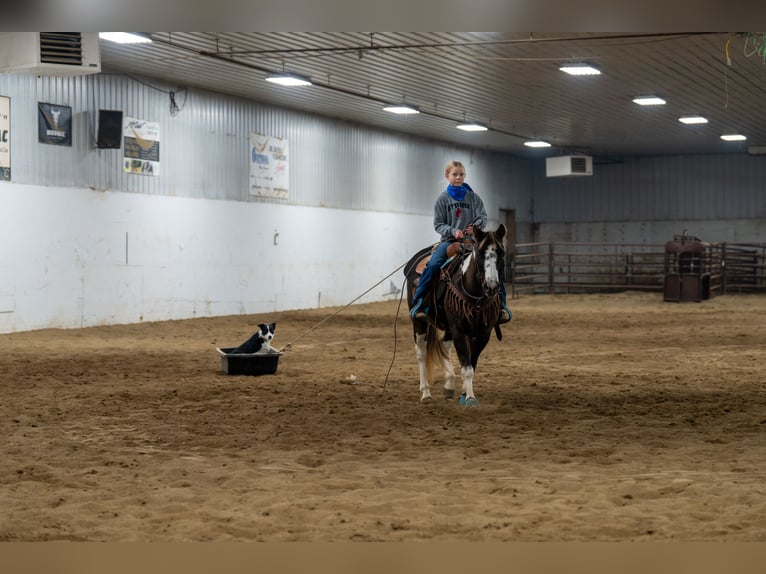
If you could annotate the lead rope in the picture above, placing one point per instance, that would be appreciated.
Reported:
(396, 318)
(290, 344)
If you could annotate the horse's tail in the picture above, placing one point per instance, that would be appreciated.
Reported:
(435, 353)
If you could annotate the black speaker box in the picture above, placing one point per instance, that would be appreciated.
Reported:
(109, 129)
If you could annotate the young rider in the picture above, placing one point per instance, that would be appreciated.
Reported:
(456, 212)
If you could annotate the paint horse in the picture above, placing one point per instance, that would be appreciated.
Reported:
(464, 305)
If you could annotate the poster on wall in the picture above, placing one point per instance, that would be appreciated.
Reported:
(141, 146)
(5, 138)
(268, 166)
(54, 124)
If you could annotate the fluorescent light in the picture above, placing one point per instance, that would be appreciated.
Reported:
(733, 137)
(692, 120)
(472, 128)
(401, 109)
(649, 101)
(537, 144)
(580, 70)
(124, 37)
(288, 80)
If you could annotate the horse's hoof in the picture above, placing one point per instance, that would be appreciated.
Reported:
(449, 393)
(425, 400)
(468, 401)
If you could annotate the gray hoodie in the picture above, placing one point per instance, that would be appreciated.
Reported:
(451, 215)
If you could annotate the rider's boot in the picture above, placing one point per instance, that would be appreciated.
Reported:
(419, 311)
(505, 314)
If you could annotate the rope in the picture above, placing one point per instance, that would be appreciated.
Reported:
(290, 344)
(396, 318)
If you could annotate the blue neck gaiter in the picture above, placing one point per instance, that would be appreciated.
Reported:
(458, 193)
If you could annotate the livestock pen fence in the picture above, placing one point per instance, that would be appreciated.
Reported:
(571, 267)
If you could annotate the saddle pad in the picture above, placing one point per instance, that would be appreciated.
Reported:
(417, 263)
(422, 265)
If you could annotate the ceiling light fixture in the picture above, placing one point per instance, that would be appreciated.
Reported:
(649, 101)
(472, 127)
(692, 120)
(285, 79)
(733, 137)
(401, 109)
(124, 37)
(537, 143)
(580, 70)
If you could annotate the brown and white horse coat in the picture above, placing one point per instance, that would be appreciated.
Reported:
(465, 307)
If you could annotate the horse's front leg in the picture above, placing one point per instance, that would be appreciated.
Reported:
(463, 349)
(449, 371)
(420, 353)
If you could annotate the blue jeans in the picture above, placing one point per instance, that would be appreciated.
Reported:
(438, 258)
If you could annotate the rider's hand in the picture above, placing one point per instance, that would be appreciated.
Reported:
(469, 230)
(459, 234)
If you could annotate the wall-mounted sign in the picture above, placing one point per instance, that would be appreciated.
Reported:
(268, 166)
(141, 146)
(54, 124)
(5, 138)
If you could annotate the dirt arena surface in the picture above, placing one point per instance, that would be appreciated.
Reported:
(602, 418)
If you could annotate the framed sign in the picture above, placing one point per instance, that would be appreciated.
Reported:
(269, 175)
(5, 138)
(54, 124)
(141, 146)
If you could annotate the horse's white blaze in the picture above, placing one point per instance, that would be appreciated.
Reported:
(420, 353)
(490, 267)
(467, 373)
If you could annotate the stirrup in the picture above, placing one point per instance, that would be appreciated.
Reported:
(415, 312)
(505, 316)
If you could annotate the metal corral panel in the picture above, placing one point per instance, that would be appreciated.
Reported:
(694, 187)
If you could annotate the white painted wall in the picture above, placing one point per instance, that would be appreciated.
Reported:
(74, 257)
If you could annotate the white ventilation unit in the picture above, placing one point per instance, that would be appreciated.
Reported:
(50, 53)
(564, 165)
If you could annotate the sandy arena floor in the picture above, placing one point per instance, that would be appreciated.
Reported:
(602, 418)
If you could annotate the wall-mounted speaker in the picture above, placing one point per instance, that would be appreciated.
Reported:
(109, 129)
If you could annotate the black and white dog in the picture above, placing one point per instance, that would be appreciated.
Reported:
(260, 342)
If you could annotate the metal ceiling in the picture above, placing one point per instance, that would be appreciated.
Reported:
(507, 81)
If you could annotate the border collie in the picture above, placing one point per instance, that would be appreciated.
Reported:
(260, 342)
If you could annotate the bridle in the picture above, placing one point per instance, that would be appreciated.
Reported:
(487, 302)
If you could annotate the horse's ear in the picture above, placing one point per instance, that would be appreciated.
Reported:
(500, 233)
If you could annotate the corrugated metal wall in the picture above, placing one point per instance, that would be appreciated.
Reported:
(695, 187)
(204, 150)
(204, 154)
